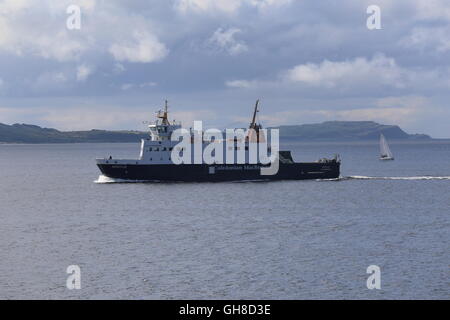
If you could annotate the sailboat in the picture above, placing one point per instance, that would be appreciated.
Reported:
(385, 152)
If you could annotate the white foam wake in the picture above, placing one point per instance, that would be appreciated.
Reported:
(399, 178)
(104, 179)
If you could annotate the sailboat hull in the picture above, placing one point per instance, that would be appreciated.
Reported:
(386, 158)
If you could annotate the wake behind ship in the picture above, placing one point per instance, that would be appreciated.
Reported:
(155, 162)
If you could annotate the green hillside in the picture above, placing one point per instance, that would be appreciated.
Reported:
(326, 131)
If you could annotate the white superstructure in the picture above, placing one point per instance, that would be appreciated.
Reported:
(158, 147)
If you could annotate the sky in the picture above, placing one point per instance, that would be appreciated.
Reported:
(308, 61)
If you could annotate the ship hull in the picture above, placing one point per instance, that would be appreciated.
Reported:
(217, 173)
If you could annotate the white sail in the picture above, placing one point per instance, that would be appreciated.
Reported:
(385, 152)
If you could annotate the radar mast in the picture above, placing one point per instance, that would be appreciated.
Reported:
(163, 115)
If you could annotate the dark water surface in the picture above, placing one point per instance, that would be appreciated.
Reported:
(266, 240)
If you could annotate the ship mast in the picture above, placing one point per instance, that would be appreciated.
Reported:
(254, 133)
(164, 115)
(253, 123)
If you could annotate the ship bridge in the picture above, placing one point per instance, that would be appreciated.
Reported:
(162, 129)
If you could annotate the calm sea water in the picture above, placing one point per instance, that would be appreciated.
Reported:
(266, 240)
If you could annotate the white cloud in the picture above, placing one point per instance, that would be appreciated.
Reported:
(299, 50)
(350, 75)
(118, 68)
(12, 6)
(147, 84)
(225, 40)
(83, 72)
(423, 38)
(22, 33)
(128, 86)
(144, 48)
(330, 74)
(39, 29)
(226, 6)
(401, 110)
(263, 4)
(51, 81)
(51, 78)
(431, 9)
(240, 84)
(365, 78)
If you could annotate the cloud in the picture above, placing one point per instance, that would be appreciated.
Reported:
(228, 6)
(303, 55)
(241, 84)
(83, 72)
(128, 86)
(225, 6)
(428, 38)
(51, 79)
(431, 9)
(23, 33)
(144, 48)
(333, 73)
(118, 68)
(39, 29)
(402, 110)
(263, 4)
(379, 76)
(21, 41)
(225, 40)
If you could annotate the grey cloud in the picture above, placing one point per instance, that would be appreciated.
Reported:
(277, 50)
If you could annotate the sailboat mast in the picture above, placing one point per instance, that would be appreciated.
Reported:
(385, 152)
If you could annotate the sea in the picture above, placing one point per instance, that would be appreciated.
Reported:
(315, 239)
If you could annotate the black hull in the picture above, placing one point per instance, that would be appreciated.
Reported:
(230, 172)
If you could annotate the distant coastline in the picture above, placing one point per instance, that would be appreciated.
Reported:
(329, 131)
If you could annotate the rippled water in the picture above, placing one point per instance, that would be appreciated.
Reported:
(266, 240)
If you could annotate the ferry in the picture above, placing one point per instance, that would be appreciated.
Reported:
(160, 154)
